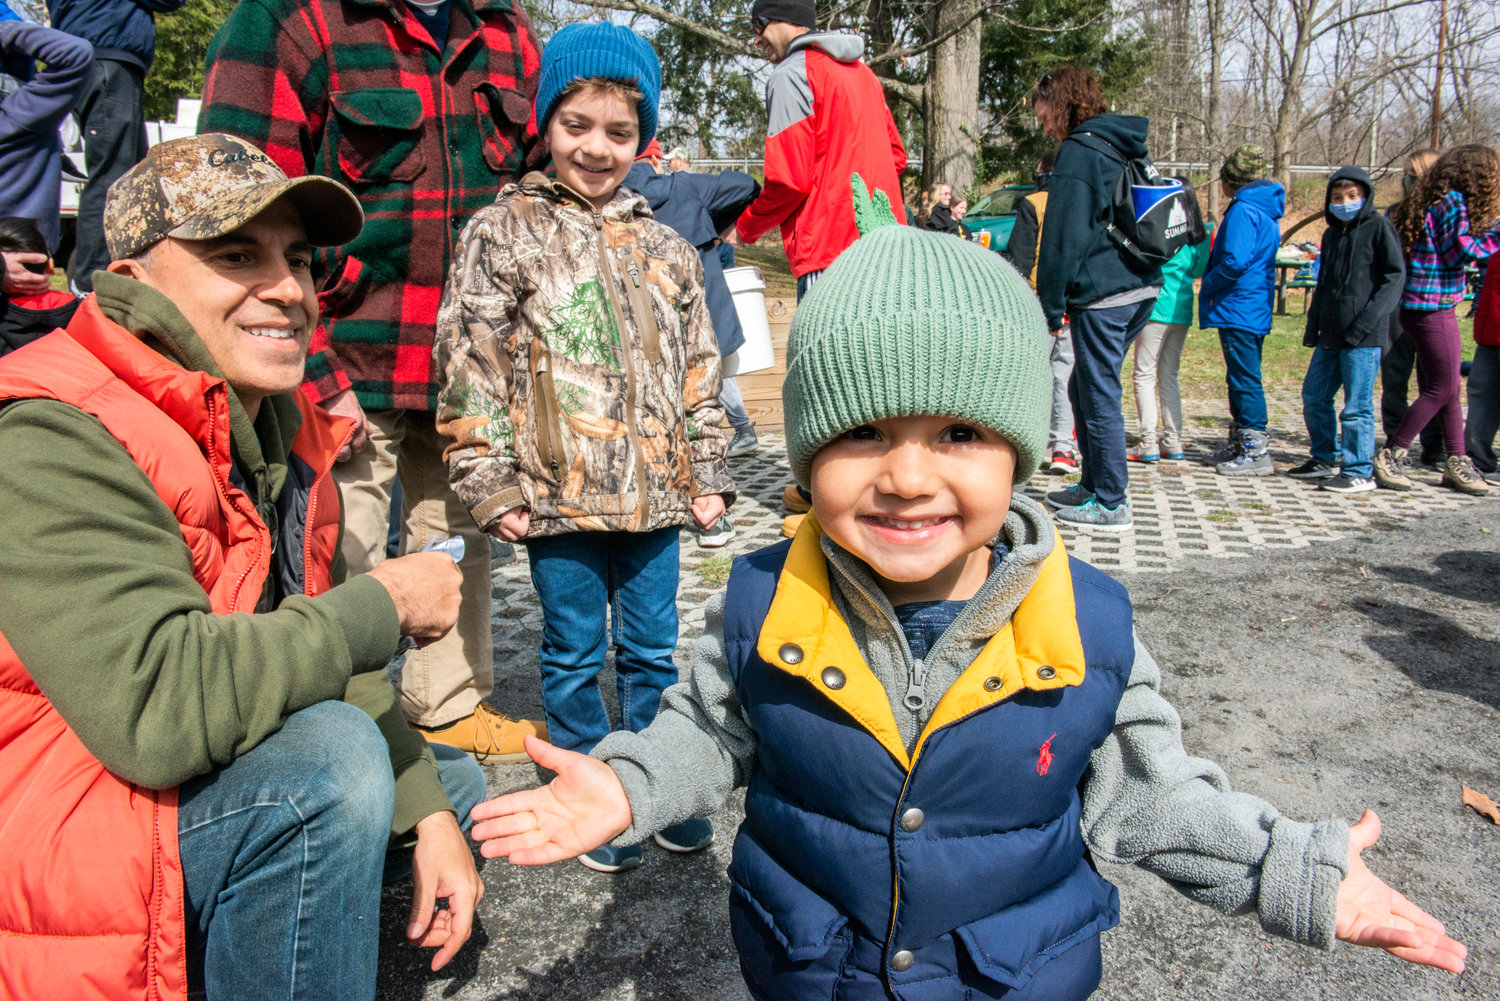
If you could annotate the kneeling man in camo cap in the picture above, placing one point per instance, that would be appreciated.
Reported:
(204, 774)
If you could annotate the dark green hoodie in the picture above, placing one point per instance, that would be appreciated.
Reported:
(98, 598)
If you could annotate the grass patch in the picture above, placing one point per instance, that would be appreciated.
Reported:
(1221, 515)
(1207, 494)
(1258, 507)
(714, 571)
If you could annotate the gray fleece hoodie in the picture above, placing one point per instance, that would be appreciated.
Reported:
(1145, 800)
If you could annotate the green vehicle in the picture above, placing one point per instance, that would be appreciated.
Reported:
(994, 214)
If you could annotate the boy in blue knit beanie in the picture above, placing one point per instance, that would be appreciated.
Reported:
(938, 713)
(580, 382)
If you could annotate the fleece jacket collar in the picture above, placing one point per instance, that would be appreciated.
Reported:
(838, 45)
(261, 448)
(1037, 648)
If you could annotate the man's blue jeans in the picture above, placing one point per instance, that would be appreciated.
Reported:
(1352, 440)
(282, 858)
(579, 577)
(1247, 398)
(1100, 339)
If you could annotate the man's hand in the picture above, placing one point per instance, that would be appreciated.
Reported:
(581, 809)
(345, 404)
(707, 509)
(1055, 333)
(20, 280)
(731, 236)
(513, 525)
(424, 587)
(1371, 913)
(441, 866)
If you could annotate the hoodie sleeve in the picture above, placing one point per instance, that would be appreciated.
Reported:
(1388, 275)
(44, 101)
(1147, 802)
(1020, 250)
(1075, 205)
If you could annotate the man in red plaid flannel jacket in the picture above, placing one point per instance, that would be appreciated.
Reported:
(423, 109)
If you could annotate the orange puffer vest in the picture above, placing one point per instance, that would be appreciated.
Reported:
(91, 896)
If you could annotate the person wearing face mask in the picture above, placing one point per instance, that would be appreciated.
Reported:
(1359, 285)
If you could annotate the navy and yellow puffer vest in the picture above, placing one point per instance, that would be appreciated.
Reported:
(958, 871)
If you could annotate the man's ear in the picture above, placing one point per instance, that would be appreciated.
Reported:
(129, 267)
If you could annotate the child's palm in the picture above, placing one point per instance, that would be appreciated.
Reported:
(581, 809)
(1371, 913)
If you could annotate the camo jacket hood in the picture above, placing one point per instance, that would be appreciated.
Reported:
(580, 373)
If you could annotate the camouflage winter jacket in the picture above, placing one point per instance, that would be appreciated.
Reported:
(580, 374)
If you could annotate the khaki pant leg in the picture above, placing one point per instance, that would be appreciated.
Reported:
(365, 482)
(446, 678)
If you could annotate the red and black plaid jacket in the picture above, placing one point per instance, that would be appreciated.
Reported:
(424, 136)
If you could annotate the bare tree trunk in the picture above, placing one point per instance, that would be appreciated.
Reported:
(1294, 63)
(952, 97)
(1214, 138)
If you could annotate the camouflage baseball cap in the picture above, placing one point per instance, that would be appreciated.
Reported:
(1246, 164)
(208, 185)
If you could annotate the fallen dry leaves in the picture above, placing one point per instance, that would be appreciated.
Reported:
(1482, 804)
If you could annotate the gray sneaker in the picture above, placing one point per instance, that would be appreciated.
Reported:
(1092, 514)
(743, 443)
(1073, 496)
(1251, 457)
(1460, 474)
(1390, 469)
(716, 534)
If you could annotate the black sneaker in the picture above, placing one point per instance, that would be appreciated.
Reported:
(1312, 469)
(1342, 484)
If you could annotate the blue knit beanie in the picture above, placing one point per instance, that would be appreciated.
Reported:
(605, 50)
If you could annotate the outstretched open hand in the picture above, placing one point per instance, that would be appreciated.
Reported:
(1371, 913)
(581, 809)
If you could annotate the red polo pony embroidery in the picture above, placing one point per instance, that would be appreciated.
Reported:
(1044, 757)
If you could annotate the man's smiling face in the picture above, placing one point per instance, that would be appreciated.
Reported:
(248, 294)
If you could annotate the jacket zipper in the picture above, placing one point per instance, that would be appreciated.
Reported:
(642, 302)
(309, 583)
(548, 411)
(632, 416)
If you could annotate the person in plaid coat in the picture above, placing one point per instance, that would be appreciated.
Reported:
(424, 110)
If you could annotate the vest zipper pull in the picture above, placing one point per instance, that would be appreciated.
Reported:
(635, 275)
(915, 696)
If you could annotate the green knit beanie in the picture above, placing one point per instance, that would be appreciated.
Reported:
(907, 323)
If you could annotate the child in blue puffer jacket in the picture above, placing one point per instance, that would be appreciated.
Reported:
(1236, 299)
(938, 713)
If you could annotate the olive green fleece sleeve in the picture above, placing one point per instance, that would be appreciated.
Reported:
(98, 599)
(419, 790)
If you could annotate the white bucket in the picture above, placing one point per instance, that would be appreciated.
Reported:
(749, 291)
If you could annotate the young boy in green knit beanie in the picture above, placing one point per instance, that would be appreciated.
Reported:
(937, 712)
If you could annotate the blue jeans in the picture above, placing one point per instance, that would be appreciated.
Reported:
(1354, 435)
(1100, 339)
(584, 579)
(1247, 398)
(283, 851)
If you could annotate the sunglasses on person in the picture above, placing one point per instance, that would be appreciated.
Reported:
(759, 24)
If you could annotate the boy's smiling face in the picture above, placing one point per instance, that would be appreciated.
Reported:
(918, 499)
(593, 133)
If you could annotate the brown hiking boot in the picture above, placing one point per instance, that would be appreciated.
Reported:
(1390, 469)
(1460, 474)
(490, 736)
(790, 524)
(793, 500)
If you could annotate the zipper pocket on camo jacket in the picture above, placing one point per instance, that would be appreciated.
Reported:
(640, 299)
(548, 434)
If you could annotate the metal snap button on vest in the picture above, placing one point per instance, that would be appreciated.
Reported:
(1046, 672)
(833, 678)
(912, 820)
(902, 961)
(992, 684)
(790, 653)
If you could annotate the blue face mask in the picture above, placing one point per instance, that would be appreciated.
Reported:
(1347, 211)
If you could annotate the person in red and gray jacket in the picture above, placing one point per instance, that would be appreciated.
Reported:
(1484, 379)
(828, 120)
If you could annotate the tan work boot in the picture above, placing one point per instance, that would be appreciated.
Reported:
(1460, 474)
(790, 524)
(490, 736)
(1390, 469)
(794, 501)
